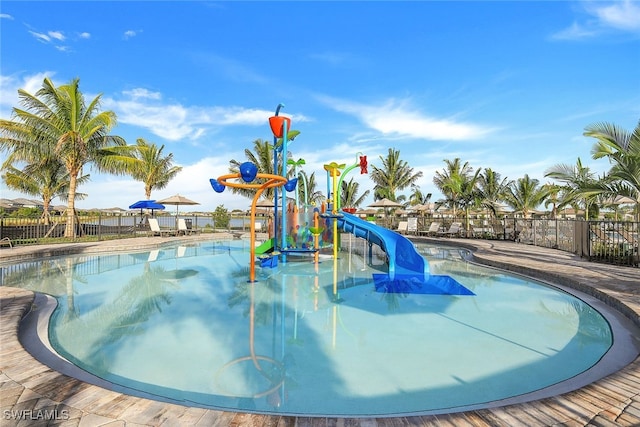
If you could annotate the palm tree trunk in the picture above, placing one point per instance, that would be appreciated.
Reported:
(46, 218)
(70, 229)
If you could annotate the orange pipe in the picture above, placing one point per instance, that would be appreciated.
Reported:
(272, 181)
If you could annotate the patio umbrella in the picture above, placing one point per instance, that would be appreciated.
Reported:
(620, 200)
(385, 204)
(146, 204)
(366, 212)
(177, 200)
(617, 201)
(264, 203)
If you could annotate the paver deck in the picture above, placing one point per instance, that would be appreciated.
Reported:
(32, 393)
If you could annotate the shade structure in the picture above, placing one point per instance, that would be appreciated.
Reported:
(620, 200)
(385, 203)
(177, 200)
(264, 203)
(366, 212)
(146, 204)
(617, 201)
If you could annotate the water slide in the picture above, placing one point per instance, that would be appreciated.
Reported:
(265, 247)
(404, 259)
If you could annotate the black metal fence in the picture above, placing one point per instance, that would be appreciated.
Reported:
(614, 242)
(24, 231)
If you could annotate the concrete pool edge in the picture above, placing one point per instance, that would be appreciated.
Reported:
(614, 398)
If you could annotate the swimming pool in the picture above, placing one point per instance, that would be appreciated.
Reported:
(183, 323)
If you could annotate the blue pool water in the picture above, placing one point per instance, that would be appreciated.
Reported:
(184, 324)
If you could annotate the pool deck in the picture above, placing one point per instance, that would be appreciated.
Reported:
(31, 392)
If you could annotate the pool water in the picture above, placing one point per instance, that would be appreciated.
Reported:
(183, 323)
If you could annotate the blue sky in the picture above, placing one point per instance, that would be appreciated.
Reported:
(505, 85)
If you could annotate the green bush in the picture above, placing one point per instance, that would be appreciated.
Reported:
(221, 217)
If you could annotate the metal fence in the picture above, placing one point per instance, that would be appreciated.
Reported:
(614, 242)
(24, 231)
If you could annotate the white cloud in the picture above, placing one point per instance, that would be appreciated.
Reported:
(602, 17)
(84, 35)
(40, 36)
(9, 86)
(174, 121)
(395, 118)
(139, 93)
(621, 15)
(56, 35)
(129, 34)
(49, 36)
(6, 16)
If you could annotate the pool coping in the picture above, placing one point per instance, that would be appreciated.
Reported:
(29, 388)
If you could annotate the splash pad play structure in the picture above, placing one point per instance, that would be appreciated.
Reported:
(306, 229)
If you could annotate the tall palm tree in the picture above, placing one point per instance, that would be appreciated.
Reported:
(525, 194)
(349, 194)
(491, 190)
(622, 148)
(147, 163)
(453, 180)
(394, 175)
(57, 121)
(581, 187)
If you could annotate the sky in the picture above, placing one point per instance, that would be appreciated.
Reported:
(507, 85)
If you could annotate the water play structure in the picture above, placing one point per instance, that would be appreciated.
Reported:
(302, 228)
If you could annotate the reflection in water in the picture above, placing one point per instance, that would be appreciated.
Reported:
(186, 324)
(85, 335)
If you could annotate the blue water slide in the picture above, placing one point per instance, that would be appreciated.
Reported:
(404, 259)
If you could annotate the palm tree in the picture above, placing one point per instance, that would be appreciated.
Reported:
(394, 175)
(147, 163)
(314, 196)
(262, 157)
(47, 179)
(452, 182)
(622, 148)
(525, 194)
(554, 198)
(417, 197)
(580, 184)
(491, 190)
(57, 122)
(349, 194)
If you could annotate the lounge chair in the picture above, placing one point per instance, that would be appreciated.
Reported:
(5, 241)
(412, 225)
(454, 229)
(433, 229)
(185, 227)
(402, 227)
(157, 231)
